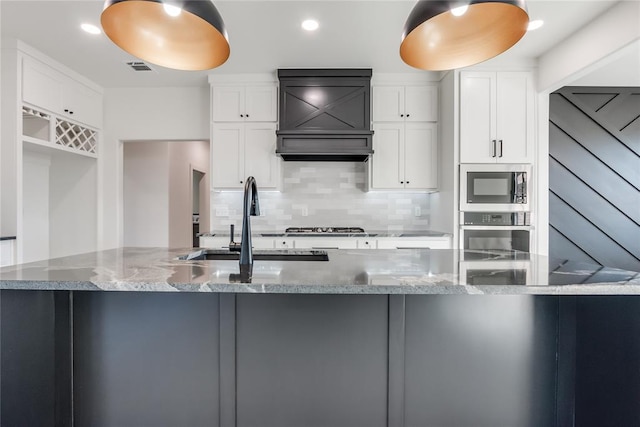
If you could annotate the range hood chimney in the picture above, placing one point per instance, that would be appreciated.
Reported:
(324, 114)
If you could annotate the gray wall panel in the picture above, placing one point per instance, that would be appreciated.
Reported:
(594, 207)
(146, 359)
(593, 172)
(594, 138)
(566, 249)
(480, 361)
(588, 237)
(312, 360)
(27, 372)
(594, 175)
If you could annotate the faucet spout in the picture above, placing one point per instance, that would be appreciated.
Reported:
(251, 207)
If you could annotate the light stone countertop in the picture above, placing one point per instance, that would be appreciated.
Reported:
(401, 271)
(372, 233)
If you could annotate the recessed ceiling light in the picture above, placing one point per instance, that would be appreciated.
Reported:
(91, 29)
(459, 11)
(534, 25)
(172, 10)
(310, 25)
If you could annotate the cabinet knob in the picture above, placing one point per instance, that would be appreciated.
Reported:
(407, 115)
(240, 182)
(407, 182)
(246, 115)
(66, 110)
(401, 115)
(70, 112)
(241, 115)
(401, 182)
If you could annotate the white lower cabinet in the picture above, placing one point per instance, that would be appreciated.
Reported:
(7, 252)
(414, 242)
(258, 242)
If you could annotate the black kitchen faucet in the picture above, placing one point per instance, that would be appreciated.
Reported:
(251, 207)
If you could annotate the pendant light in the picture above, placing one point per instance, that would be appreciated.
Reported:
(180, 34)
(443, 35)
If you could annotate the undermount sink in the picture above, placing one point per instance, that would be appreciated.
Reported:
(258, 255)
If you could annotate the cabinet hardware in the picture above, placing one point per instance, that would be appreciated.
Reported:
(401, 182)
(500, 148)
(241, 115)
(493, 148)
(401, 115)
(407, 182)
(407, 115)
(246, 115)
(240, 182)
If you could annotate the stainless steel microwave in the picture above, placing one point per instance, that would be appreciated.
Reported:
(495, 187)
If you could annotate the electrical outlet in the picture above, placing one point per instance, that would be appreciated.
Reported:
(304, 211)
(222, 212)
(417, 211)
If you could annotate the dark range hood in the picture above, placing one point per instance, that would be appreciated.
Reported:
(324, 114)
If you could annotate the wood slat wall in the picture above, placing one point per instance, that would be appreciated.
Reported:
(594, 175)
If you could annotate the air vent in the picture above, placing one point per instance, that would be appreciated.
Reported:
(139, 66)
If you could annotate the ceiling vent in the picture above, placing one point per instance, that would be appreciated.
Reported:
(139, 66)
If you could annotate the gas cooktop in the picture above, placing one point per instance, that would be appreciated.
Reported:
(324, 230)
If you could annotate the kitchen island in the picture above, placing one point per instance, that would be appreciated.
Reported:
(137, 337)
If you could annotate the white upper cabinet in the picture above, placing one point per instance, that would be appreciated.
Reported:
(240, 103)
(496, 117)
(416, 103)
(240, 150)
(51, 90)
(405, 156)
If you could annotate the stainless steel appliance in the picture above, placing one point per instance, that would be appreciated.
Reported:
(495, 187)
(324, 230)
(495, 231)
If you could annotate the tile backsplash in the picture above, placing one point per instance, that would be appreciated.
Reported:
(325, 194)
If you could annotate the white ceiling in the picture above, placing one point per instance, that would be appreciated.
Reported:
(266, 35)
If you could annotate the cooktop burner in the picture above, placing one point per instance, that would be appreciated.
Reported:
(324, 230)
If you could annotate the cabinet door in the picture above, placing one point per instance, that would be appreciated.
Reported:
(366, 244)
(262, 243)
(420, 156)
(82, 104)
(388, 103)
(42, 86)
(477, 117)
(514, 117)
(227, 103)
(284, 243)
(227, 151)
(421, 103)
(261, 103)
(260, 160)
(386, 168)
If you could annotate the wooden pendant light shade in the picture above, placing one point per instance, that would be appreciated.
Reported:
(435, 39)
(196, 39)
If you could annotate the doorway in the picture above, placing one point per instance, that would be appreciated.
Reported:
(159, 183)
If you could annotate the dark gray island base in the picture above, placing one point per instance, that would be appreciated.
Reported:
(416, 345)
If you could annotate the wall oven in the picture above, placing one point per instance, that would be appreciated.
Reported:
(495, 187)
(495, 231)
(482, 233)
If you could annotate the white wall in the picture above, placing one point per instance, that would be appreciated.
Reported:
(576, 56)
(146, 194)
(444, 206)
(35, 236)
(72, 204)
(183, 158)
(159, 114)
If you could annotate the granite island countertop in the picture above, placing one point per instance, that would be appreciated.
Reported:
(401, 271)
(371, 233)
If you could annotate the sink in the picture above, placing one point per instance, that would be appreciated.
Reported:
(258, 255)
